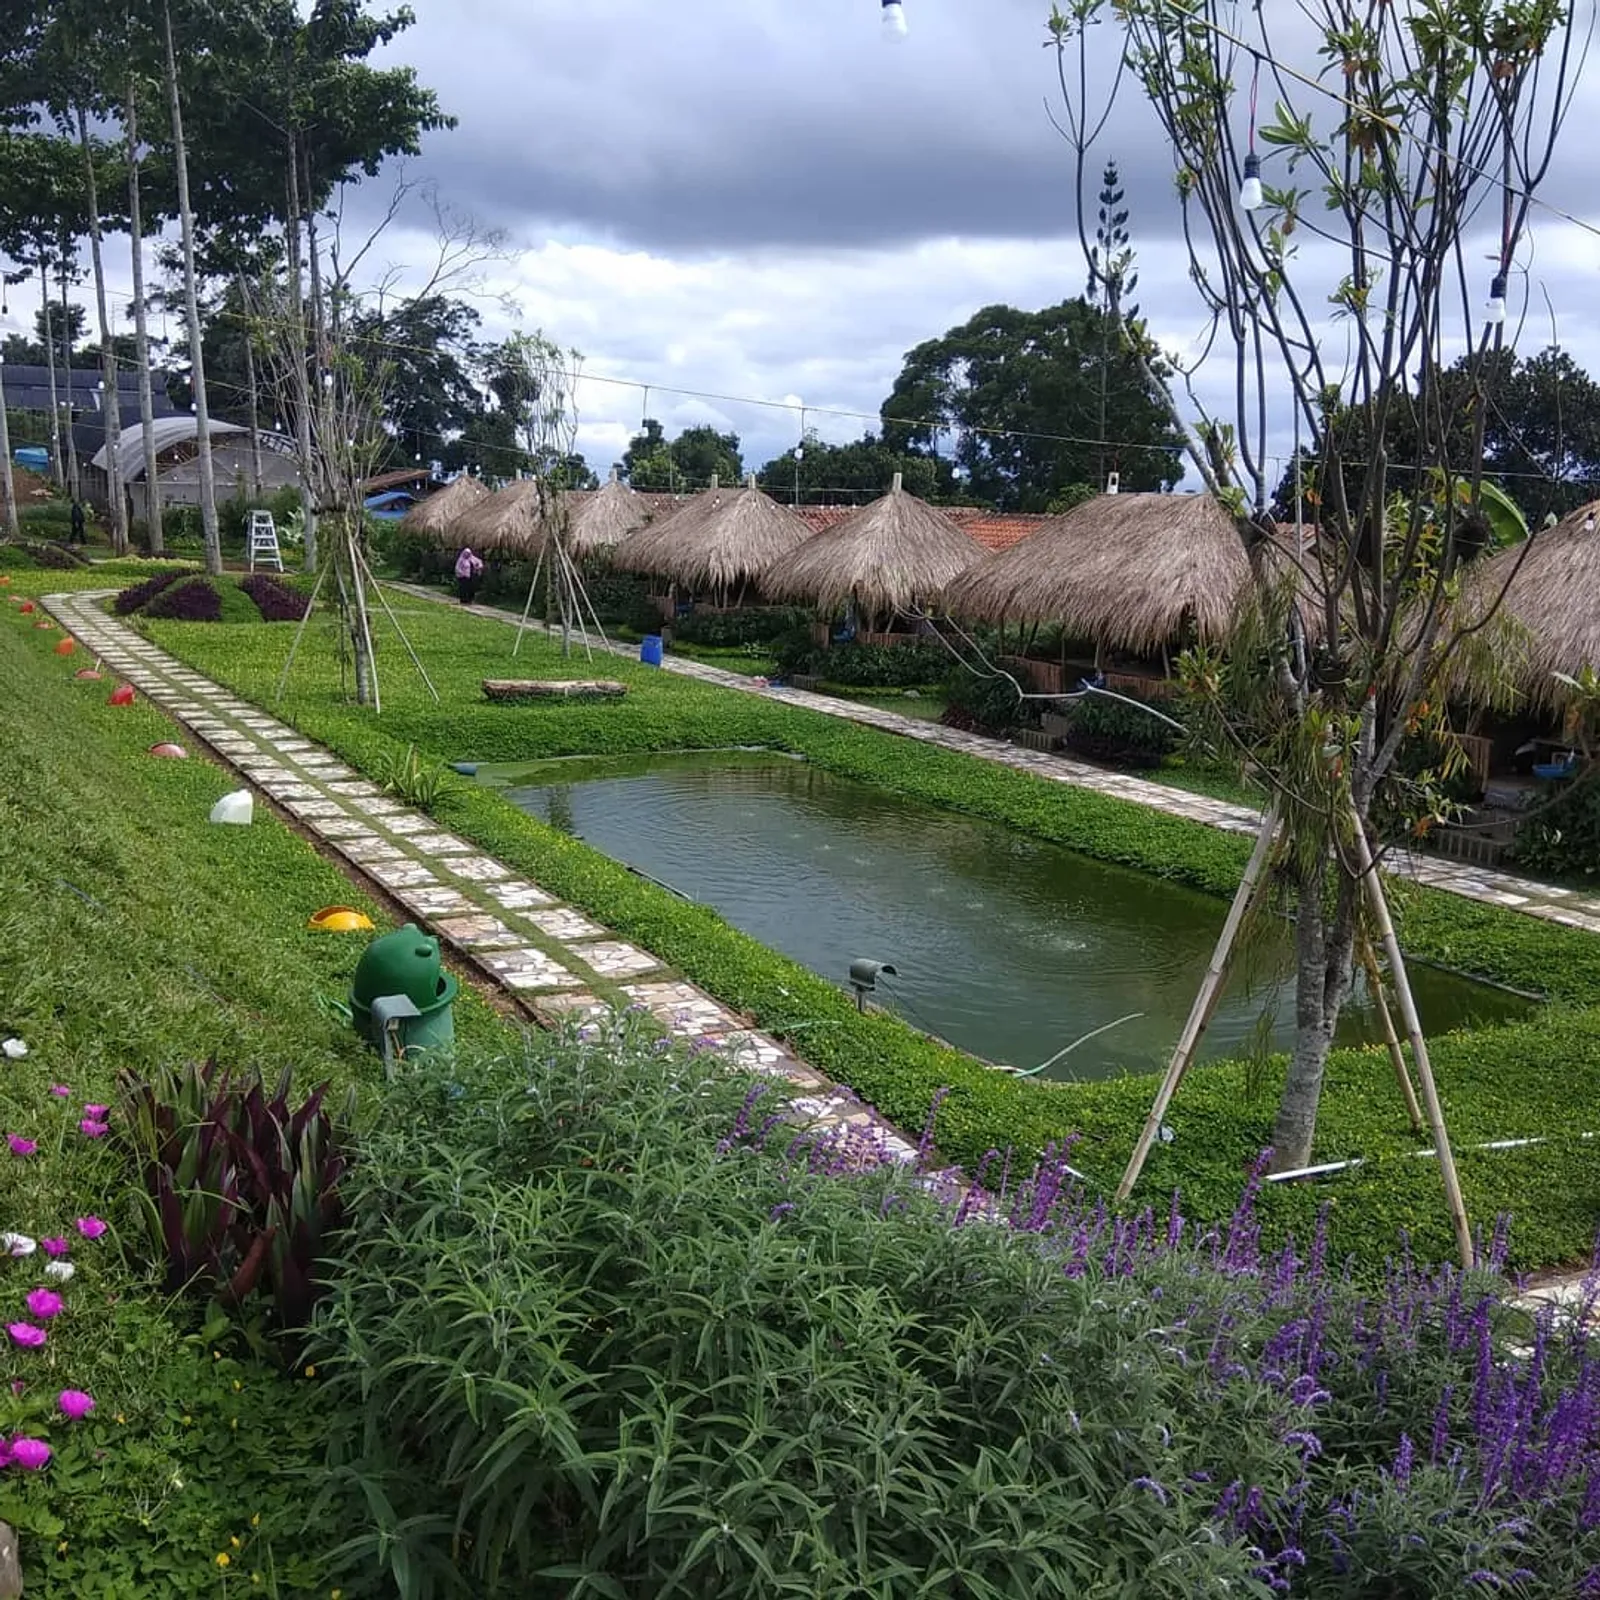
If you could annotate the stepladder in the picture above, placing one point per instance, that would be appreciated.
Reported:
(264, 551)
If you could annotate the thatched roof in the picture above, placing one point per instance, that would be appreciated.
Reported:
(601, 520)
(888, 556)
(721, 537)
(1550, 585)
(1129, 570)
(435, 515)
(508, 520)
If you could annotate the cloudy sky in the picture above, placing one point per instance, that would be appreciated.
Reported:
(764, 200)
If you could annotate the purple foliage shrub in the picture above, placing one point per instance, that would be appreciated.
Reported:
(276, 601)
(195, 600)
(141, 594)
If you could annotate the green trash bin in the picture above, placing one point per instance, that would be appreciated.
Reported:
(405, 964)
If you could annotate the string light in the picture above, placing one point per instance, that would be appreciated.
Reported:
(894, 20)
(1250, 192)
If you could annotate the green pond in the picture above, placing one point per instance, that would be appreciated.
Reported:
(1008, 947)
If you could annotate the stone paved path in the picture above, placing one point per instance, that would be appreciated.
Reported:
(1566, 906)
(551, 958)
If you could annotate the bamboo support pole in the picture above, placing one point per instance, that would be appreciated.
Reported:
(1205, 1001)
(1379, 905)
(1397, 1055)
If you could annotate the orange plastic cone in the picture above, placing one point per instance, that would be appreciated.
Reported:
(65, 647)
(27, 607)
(86, 672)
(122, 695)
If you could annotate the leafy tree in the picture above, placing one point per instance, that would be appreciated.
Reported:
(853, 473)
(1437, 109)
(690, 461)
(1021, 391)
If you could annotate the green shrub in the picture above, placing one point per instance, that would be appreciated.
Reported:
(883, 666)
(1112, 730)
(992, 705)
(793, 651)
(1564, 840)
(723, 630)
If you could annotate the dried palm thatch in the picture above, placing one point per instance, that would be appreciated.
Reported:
(435, 515)
(718, 540)
(1535, 602)
(887, 557)
(1133, 571)
(598, 522)
(508, 520)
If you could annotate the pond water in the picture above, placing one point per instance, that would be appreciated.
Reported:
(1007, 946)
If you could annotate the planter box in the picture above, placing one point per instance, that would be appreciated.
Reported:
(1035, 739)
(804, 680)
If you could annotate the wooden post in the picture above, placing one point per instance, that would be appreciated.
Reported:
(1419, 1046)
(1397, 1056)
(1205, 1002)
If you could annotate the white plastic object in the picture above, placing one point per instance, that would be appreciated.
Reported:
(238, 807)
(894, 20)
(14, 1049)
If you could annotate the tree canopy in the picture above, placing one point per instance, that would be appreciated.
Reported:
(853, 473)
(1019, 396)
(656, 464)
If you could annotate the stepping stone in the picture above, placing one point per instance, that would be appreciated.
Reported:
(441, 844)
(529, 969)
(440, 902)
(317, 810)
(280, 790)
(611, 958)
(478, 869)
(755, 1052)
(406, 823)
(682, 1009)
(567, 925)
(517, 895)
(345, 827)
(374, 805)
(402, 874)
(233, 746)
(371, 849)
(478, 933)
(578, 1005)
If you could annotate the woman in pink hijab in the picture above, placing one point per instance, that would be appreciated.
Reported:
(469, 570)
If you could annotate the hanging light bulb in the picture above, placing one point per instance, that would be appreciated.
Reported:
(1250, 193)
(1495, 310)
(894, 20)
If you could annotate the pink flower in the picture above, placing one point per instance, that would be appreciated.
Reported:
(56, 1246)
(30, 1454)
(99, 1113)
(60, 1091)
(92, 1129)
(45, 1304)
(91, 1227)
(75, 1404)
(21, 1146)
(26, 1335)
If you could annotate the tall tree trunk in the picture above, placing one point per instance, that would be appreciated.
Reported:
(191, 295)
(58, 468)
(8, 486)
(141, 336)
(111, 405)
(1324, 952)
(302, 379)
(74, 485)
(253, 396)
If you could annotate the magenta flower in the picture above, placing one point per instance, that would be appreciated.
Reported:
(92, 1129)
(57, 1246)
(75, 1404)
(21, 1146)
(99, 1113)
(60, 1091)
(26, 1335)
(91, 1227)
(45, 1304)
(30, 1454)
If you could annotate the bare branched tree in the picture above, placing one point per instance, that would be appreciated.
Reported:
(1336, 185)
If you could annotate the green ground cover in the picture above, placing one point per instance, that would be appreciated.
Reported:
(1527, 1081)
(137, 935)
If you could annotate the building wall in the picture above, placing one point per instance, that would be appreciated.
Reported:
(180, 482)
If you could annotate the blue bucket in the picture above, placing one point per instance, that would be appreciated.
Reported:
(650, 651)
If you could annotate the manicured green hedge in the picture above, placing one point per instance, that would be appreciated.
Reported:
(1530, 1080)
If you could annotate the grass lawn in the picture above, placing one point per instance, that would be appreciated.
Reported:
(1534, 1080)
(137, 935)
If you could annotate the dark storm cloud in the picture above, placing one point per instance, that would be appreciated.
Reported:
(728, 125)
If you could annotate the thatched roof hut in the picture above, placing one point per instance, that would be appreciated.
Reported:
(719, 540)
(601, 520)
(508, 521)
(1131, 571)
(434, 515)
(887, 557)
(1550, 585)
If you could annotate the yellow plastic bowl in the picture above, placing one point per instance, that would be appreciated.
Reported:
(341, 919)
